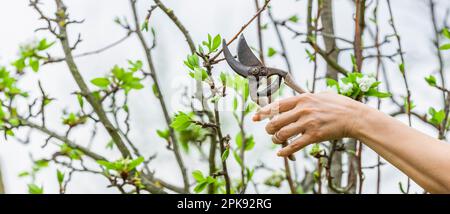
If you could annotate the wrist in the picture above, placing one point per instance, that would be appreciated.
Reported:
(363, 116)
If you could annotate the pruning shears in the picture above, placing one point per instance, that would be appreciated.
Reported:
(250, 67)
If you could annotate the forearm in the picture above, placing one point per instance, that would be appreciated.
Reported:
(423, 158)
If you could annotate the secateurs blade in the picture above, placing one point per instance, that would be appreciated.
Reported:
(250, 67)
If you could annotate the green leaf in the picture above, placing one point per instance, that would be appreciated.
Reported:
(198, 176)
(446, 33)
(19, 64)
(375, 93)
(136, 162)
(225, 154)
(315, 150)
(271, 52)
(311, 56)
(144, 26)
(106, 164)
(223, 78)
(250, 173)
(14, 122)
(250, 143)
(164, 134)
(436, 116)
(445, 47)
(101, 82)
(354, 62)
(331, 83)
(264, 26)
(110, 145)
(431, 80)
(80, 100)
(411, 106)
(293, 18)
(216, 42)
(34, 189)
(192, 61)
(59, 176)
(200, 187)
(401, 67)
(181, 121)
(199, 74)
(24, 174)
(44, 45)
(9, 132)
(238, 159)
(155, 90)
(135, 66)
(210, 180)
(34, 64)
(41, 163)
(238, 139)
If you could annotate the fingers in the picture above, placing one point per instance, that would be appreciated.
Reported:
(282, 120)
(276, 108)
(288, 131)
(295, 146)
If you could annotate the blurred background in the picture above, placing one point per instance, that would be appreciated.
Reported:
(18, 23)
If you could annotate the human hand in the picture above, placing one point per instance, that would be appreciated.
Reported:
(318, 117)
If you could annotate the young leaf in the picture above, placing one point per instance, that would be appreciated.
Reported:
(401, 67)
(198, 176)
(200, 187)
(238, 159)
(44, 45)
(225, 154)
(101, 82)
(59, 176)
(293, 18)
(249, 143)
(216, 42)
(181, 121)
(271, 52)
(34, 64)
(164, 134)
(445, 47)
(80, 100)
(34, 189)
(431, 80)
(136, 162)
(446, 33)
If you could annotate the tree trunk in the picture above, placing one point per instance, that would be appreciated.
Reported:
(331, 48)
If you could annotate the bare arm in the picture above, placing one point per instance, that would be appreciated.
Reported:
(326, 116)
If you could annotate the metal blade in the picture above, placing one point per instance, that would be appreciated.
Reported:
(245, 54)
(272, 88)
(238, 67)
(275, 71)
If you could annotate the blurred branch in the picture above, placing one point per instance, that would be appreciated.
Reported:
(177, 22)
(160, 97)
(437, 44)
(243, 28)
(403, 72)
(62, 20)
(89, 53)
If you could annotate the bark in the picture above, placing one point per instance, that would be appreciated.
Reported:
(330, 47)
